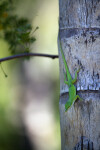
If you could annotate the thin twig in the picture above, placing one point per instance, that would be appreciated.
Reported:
(26, 55)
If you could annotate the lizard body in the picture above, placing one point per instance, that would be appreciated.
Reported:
(70, 82)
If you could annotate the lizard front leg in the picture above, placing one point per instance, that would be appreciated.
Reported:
(77, 97)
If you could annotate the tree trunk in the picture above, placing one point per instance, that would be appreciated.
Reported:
(79, 30)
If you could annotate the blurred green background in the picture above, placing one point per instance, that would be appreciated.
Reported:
(29, 97)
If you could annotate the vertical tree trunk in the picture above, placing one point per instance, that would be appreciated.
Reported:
(79, 30)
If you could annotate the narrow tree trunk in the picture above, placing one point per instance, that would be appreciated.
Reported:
(79, 30)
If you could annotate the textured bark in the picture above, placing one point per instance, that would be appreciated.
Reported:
(79, 30)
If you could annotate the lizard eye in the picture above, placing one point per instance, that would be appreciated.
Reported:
(66, 109)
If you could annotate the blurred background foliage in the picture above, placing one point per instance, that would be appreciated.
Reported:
(16, 30)
(29, 97)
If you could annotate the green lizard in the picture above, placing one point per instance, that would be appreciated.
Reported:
(70, 82)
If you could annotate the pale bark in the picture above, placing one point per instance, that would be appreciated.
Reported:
(79, 30)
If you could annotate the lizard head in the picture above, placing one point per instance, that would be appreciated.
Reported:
(67, 106)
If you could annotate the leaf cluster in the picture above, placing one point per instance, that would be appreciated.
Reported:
(16, 31)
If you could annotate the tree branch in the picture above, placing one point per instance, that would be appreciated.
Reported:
(26, 55)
